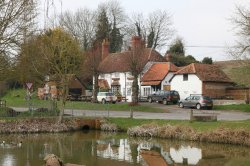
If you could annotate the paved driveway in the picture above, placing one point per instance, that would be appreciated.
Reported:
(171, 112)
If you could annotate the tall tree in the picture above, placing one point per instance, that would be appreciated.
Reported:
(115, 39)
(159, 26)
(241, 20)
(54, 53)
(17, 17)
(93, 59)
(103, 26)
(81, 25)
(241, 51)
(136, 62)
(64, 57)
(156, 29)
(177, 52)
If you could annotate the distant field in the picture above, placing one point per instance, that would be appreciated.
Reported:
(237, 71)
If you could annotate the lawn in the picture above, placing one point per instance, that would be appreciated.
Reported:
(125, 123)
(234, 107)
(16, 98)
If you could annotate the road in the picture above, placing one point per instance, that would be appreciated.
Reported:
(171, 112)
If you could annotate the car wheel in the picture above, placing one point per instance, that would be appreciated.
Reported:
(114, 102)
(181, 105)
(103, 101)
(165, 102)
(198, 106)
(150, 100)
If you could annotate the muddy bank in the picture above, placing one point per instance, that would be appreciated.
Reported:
(221, 135)
(40, 125)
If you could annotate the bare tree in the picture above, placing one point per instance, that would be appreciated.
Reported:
(241, 19)
(156, 29)
(17, 17)
(82, 25)
(159, 26)
(93, 59)
(136, 62)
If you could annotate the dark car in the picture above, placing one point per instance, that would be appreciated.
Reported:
(164, 97)
(197, 101)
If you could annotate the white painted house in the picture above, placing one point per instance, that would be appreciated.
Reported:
(203, 79)
(114, 68)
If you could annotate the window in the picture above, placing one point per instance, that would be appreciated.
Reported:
(115, 89)
(129, 91)
(146, 91)
(185, 77)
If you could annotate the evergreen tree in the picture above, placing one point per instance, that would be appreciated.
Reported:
(103, 26)
(115, 39)
(207, 60)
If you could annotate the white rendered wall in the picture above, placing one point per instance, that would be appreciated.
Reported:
(124, 83)
(192, 86)
(166, 80)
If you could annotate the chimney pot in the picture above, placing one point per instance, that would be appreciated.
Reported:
(105, 48)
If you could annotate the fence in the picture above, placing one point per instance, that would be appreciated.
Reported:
(30, 110)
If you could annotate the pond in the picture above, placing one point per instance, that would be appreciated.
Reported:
(95, 148)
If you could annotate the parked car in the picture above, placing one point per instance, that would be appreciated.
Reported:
(165, 97)
(197, 101)
(104, 97)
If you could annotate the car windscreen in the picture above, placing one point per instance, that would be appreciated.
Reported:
(206, 98)
(109, 94)
(174, 93)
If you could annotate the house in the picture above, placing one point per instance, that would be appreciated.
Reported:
(157, 77)
(50, 89)
(114, 68)
(203, 79)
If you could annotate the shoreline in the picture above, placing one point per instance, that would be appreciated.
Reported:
(220, 135)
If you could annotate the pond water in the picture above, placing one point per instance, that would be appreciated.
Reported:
(95, 148)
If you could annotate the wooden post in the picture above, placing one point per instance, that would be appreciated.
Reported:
(191, 115)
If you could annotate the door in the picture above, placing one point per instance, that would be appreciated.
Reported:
(166, 87)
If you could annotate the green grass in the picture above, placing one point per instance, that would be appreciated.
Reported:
(125, 123)
(235, 107)
(16, 98)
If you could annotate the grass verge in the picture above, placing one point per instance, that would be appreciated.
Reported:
(126, 123)
(234, 107)
(16, 98)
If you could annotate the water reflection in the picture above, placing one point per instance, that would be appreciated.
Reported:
(186, 154)
(98, 148)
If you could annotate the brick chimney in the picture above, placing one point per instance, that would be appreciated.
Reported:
(168, 57)
(105, 48)
(137, 42)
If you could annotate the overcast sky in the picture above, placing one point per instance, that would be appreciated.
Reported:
(198, 22)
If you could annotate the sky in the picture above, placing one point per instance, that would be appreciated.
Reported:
(204, 25)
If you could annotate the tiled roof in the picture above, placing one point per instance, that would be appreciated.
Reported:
(117, 62)
(150, 83)
(205, 72)
(158, 71)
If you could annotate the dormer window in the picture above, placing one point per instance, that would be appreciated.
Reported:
(185, 77)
